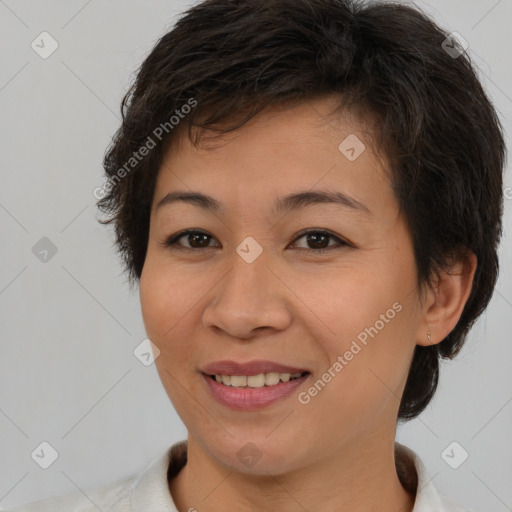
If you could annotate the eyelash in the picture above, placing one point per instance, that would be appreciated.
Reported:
(171, 242)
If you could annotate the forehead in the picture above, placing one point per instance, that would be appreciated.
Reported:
(279, 150)
(312, 118)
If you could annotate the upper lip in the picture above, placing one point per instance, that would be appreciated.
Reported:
(249, 368)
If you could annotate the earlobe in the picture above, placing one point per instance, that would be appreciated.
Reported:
(446, 301)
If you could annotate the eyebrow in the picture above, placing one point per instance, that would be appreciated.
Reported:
(283, 205)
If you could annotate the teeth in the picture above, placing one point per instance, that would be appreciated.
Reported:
(271, 379)
(256, 381)
(237, 380)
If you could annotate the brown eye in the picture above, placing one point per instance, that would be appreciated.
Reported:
(195, 239)
(318, 241)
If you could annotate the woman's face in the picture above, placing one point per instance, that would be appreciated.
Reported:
(251, 286)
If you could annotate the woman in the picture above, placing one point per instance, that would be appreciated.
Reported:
(309, 196)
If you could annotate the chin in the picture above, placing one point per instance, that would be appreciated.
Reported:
(253, 455)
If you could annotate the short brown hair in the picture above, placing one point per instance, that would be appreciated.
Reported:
(436, 123)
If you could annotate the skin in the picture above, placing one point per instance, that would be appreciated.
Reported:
(290, 306)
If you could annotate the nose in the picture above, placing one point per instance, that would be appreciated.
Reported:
(249, 297)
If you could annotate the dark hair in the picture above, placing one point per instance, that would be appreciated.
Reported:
(436, 124)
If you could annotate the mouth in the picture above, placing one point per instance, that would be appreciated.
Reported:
(251, 392)
(252, 368)
(256, 381)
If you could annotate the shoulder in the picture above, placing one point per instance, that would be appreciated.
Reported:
(148, 490)
(451, 506)
(109, 497)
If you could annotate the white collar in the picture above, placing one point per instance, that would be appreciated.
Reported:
(150, 492)
(414, 475)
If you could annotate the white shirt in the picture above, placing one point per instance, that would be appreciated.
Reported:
(149, 491)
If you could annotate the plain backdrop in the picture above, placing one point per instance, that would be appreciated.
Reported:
(69, 324)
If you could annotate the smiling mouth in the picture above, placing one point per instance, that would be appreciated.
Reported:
(256, 381)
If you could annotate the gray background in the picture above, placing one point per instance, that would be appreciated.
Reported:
(69, 325)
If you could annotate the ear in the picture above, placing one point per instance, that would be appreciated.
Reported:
(444, 304)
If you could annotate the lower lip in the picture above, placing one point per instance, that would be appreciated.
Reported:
(251, 399)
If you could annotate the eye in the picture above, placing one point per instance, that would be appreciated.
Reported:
(201, 240)
(317, 238)
(193, 237)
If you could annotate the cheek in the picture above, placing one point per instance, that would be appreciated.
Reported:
(151, 301)
(368, 320)
(160, 295)
(170, 300)
(349, 301)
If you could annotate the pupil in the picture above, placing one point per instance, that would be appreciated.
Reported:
(194, 237)
(313, 239)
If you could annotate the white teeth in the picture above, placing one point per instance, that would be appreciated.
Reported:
(271, 379)
(256, 381)
(237, 380)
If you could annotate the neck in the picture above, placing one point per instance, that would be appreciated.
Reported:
(355, 478)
